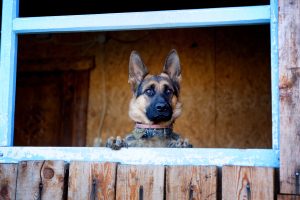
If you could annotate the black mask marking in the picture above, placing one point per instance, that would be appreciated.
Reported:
(159, 109)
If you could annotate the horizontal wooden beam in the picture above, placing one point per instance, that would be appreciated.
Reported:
(161, 156)
(145, 20)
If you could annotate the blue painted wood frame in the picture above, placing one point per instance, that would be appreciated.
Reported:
(145, 20)
(8, 72)
(155, 156)
(274, 74)
(11, 25)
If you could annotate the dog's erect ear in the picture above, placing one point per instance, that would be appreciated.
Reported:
(172, 66)
(137, 70)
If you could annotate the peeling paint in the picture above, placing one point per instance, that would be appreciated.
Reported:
(145, 20)
(7, 72)
(3, 129)
(155, 156)
(274, 73)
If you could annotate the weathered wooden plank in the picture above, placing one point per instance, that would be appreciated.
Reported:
(140, 182)
(53, 179)
(8, 181)
(29, 180)
(40, 180)
(289, 86)
(288, 197)
(247, 183)
(91, 180)
(191, 182)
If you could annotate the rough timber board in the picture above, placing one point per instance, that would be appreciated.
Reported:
(91, 180)
(53, 180)
(8, 181)
(29, 172)
(289, 86)
(46, 180)
(288, 197)
(191, 182)
(247, 183)
(140, 182)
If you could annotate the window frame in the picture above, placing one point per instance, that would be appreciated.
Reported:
(12, 26)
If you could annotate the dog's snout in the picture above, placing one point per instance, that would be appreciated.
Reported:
(161, 107)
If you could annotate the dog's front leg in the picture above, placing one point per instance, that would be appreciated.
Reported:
(116, 143)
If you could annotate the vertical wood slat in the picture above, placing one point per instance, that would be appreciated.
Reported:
(40, 180)
(191, 182)
(288, 197)
(289, 86)
(53, 179)
(91, 180)
(247, 183)
(29, 179)
(140, 182)
(8, 181)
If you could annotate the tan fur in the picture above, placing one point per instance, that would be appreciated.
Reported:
(158, 86)
(137, 109)
(177, 107)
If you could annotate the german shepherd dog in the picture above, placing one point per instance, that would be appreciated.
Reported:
(154, 107)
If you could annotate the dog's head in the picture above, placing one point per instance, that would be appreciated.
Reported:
(155, 97)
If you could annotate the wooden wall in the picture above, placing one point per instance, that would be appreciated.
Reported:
(225, 88)
(93, 180)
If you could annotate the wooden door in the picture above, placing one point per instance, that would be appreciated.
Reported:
(51, 108)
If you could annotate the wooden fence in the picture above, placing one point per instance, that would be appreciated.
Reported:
(52, 180)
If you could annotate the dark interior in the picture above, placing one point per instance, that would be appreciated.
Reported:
(32, 8)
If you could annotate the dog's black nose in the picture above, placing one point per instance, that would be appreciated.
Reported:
(161, 107)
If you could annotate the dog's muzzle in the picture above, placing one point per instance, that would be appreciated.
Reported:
(159, 112)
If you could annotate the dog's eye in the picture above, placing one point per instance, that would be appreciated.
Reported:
(169, 91)
(149, 92)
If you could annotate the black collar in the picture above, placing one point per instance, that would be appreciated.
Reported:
(152, 132)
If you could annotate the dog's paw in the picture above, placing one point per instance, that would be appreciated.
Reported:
(116, 143)
(180, 143)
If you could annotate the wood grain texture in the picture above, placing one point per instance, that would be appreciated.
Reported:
(38, 119)
(191, 182)
(90, 180)
(249, 183)
(287, 197)
(29, 180)
(55, 110)
(243, 88)
(8, 181)
(289, 88)
(56, 64)
(40, 180)
(137, 182)
(53, 180)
